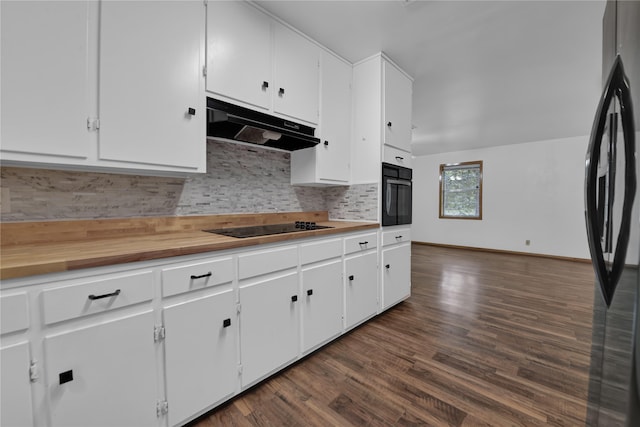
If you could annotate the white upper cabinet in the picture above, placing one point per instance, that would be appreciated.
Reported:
(256, 62)
(112, 86)
(151, 105)
(297, 64)
(328, 162)
(382, 98)
(239, 53)
(45, 86)
(398, 92)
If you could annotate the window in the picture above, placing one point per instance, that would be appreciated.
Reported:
(461, 190)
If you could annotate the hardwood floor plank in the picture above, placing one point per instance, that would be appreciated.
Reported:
(486, 339)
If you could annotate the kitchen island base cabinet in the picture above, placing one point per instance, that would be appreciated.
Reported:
(104, 374)
(269, 326)
(200, 354)
(361, 288)
(16, 396)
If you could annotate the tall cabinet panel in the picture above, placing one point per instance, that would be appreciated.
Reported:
(156, 48)
(239, 53)
(44, 75)
(398, 92)
(382, 108)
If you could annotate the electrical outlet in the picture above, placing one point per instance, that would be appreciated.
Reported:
(527, 242)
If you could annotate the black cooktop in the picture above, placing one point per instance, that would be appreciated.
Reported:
(266, 230)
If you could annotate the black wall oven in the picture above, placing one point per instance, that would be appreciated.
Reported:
(396, 195)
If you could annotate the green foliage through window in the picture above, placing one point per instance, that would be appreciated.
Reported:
(461, 190)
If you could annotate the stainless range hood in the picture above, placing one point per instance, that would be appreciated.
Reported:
(236, 123)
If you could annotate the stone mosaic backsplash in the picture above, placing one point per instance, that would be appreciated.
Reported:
(239, 179)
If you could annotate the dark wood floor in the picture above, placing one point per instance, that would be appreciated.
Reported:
(486, 339)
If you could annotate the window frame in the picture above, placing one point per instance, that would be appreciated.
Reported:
(461, 165)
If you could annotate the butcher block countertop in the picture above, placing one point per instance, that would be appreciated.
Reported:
(31, 248)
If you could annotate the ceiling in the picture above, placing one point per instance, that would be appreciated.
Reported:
(486, 73)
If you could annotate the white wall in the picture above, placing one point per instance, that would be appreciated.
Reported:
(532, 191)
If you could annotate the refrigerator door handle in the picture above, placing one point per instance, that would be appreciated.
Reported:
(617, 86)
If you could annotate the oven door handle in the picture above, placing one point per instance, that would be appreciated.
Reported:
(399, 182)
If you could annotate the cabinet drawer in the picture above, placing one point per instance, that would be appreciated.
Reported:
(360, 243)
(13, 313)
(397, 157)
(269, 261)
(96, 296)
(196, 275)
(314, 252)
(399, 235)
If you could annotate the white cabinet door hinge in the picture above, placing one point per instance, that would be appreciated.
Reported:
(204, 71)
(93, 123)
(240, 369)
(158, 333)
(33, 371)
(162, 407)
(238, 308)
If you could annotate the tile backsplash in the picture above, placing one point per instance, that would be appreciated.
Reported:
(239, 179)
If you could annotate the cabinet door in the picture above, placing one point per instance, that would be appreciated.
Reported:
(44, 76)
(200, 354)
(334, 151)
(397, 108)
(361, 293)
(396, 274)
(239, 53)
(268, 326)
(151, 58)
(103, 375)
(296, 89)
(16, 409)
(322, 308)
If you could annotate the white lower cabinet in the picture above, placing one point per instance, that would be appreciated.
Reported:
(361, 288)
(15, 389)
(396, 265)
(165, 342)
(200, 354)
(396, 274)
(103, 374)
(322, 308)
(269, 325)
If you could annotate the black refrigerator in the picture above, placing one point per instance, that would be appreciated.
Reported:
(612, 216)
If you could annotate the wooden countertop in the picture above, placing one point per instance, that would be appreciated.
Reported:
(56, 246)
